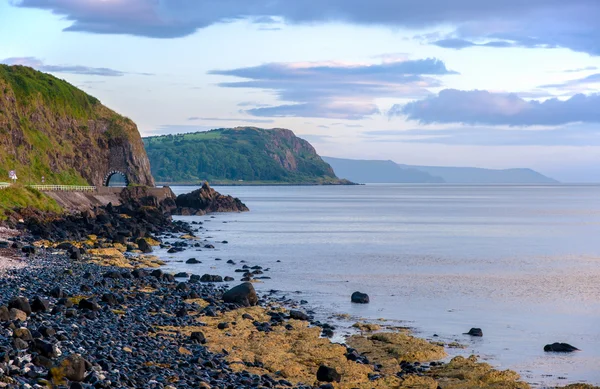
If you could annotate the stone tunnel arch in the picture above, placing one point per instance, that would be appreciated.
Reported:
(113, 173)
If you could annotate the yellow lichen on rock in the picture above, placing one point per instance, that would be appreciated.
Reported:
(152, 242)
(294, 355)
(109, 257)
(468, 373)
(390, 348)
(367, 327)
(200, 302)
(189, 237)
(113, 256)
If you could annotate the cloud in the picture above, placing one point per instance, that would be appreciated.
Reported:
(591, 79)
(332, 111)
(458, 44)
(482, 107)
(575, 135)
(194, 118)
(584, 69)
(336, 90)
(561, 23)
(70, 69)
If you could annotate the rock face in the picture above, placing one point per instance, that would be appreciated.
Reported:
(48, 127)
(205, 200)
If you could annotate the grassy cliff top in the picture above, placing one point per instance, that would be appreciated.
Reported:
(28, 85)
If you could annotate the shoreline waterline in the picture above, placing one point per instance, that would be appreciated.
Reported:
(441, 286)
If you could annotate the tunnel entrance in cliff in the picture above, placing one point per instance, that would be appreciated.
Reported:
(116, 179)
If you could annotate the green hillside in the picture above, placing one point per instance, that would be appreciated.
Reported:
(50, 128)
(233, 154)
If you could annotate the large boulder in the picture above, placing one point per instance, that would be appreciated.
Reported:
(243, 294)
(359, 298)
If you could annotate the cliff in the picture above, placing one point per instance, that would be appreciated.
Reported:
(50, 128)
(235, 154)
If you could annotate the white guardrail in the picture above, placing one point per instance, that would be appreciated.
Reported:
(55, 188)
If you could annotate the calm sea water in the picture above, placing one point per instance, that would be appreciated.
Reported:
(521, 262)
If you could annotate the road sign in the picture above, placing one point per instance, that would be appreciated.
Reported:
(12, 175)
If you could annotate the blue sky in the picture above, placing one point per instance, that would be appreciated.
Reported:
(496, 84)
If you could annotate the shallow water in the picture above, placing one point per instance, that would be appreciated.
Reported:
(521, 262)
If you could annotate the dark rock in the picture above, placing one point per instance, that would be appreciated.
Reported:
(243, 294)
(211, 278)
(182, 286)
(205, 200)
(228, 279)
(560, 348)
(298, 315)
(4, 313)
(17, 314)
(22, 333)
(110, 298)
(20, 344)
(72, 367)
(360, 298)
(88, 304)
(157, 274)
(222, 326)
(474, 332)
(139, 273)
(198, 336)
(115, 275)
(181, 275)
(75, 254)
(28, 249)
(194, 278)
(39, 305)
(328, 374)
(144, 246)
(20, 303)
(57, 292)
(192, 261)
(45, 349)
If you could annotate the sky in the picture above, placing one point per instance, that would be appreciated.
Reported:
(495, 84)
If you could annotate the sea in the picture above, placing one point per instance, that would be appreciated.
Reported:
(521, 262)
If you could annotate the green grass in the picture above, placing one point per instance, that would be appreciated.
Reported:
(17, 196)
(30, 85)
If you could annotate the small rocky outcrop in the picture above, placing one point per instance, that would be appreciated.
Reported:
(205, 200)
(560, 348)
(359, 298)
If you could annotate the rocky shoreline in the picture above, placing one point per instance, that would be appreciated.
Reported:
(93, 309)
